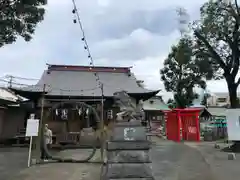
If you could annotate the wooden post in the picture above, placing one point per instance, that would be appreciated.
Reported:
(40, 130)
(198, 138)
(179, 124)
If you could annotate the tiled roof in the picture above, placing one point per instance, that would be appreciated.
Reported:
(155, 104)
(217, 111)
(6, 95)
(81, 81)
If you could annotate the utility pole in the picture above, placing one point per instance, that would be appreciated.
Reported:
(41, 122)
(10, 80)
(183, 20)
(102, 123)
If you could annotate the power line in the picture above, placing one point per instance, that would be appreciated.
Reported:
(86, 47)
(22, 78)
(12, 79)
(11, 82)
(51, 88)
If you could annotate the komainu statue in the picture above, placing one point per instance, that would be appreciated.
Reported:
(128, 109)
(127, 150)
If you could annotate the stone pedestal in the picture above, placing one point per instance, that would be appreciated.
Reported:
(128, 153)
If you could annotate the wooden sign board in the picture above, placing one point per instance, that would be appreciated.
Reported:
(32, 127)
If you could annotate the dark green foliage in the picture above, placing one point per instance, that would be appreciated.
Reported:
(19, 18)
(180, 73)
(217, 43)
(171, 103)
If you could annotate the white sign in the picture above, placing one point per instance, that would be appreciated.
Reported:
(233, 128)
(32, 127)
(128, 134)
(192, 129)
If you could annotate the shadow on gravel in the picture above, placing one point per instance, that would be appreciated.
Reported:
(235, 148)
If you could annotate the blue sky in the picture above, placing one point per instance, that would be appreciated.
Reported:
(136, 33)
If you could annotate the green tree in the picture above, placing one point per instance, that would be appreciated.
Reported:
(19, 18)
(180, 74)
(217, 43)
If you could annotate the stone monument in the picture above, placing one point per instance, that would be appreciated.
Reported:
(128, 148)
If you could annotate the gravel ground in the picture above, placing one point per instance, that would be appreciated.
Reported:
(12, 161)
(61, 171)
(176, 161)
(170, 161)
(13, 166)
(222, 168)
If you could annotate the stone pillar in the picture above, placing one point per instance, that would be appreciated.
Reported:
(128, 153)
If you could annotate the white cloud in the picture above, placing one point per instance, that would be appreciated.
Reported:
(136, 33)
(103, 3)
(139, 44)
(148, 70)
(153, 4)
(23, 60)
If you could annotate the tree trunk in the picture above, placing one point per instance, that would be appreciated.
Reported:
(232, 90)
(178, 99)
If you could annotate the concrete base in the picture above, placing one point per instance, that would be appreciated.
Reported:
(128, 156)
(128, 153)
(231, 156)
(121, 171)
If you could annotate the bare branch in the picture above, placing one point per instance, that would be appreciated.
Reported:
(237, 7)
(238, 82)
(228, 40)
(215, 55)
(233, 13)
(235, 50)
